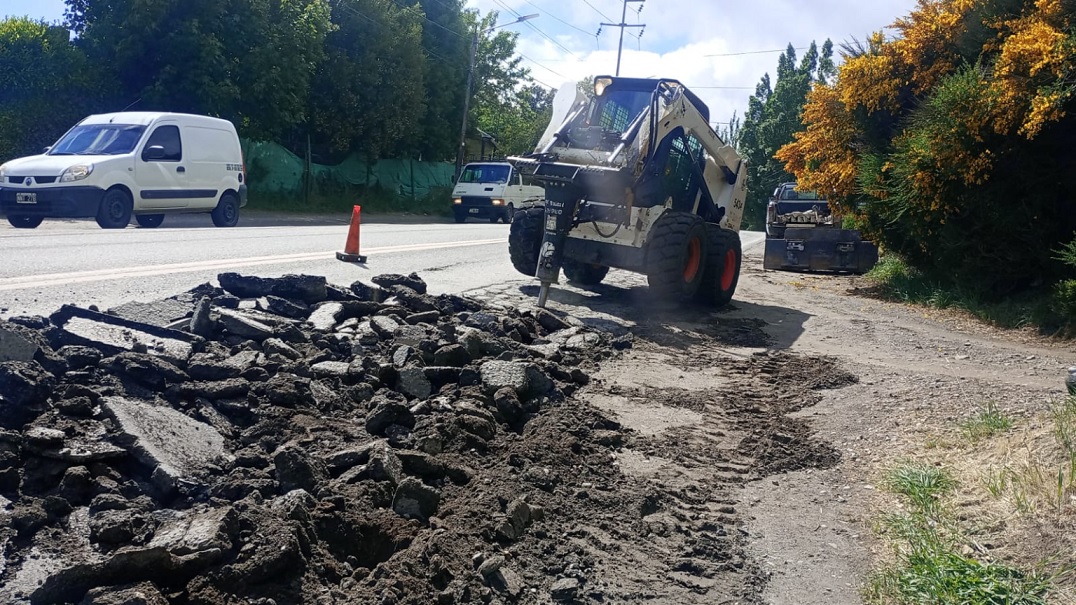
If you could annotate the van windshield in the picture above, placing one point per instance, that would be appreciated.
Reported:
(99, 139)
(485, 173)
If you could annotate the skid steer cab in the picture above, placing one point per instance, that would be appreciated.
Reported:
(635, 179)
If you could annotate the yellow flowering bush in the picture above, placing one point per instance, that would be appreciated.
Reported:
(957, 127)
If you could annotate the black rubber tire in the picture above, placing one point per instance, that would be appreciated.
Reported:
(494, 218)
(525, 239)
(677, 243)
(226, 214)
(114, 211)
(509, 212)
(149, 221)
(21, 221)
(722, 270)
(460, 217)
(584, 274)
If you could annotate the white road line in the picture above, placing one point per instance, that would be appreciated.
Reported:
(59, 279)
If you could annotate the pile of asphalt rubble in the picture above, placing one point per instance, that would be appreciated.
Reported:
(285, 440)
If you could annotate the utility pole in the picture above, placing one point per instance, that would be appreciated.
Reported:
(470, 79)
(622, 25)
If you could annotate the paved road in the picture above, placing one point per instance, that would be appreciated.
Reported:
(74, 261)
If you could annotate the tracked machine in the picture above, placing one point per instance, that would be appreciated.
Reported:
(802, 234)
(636, 179)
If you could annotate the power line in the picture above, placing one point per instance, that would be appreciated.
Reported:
(542, 66)
(607, 18)
(755, 52)
(428, 20)
(540, 32)
(549, 14)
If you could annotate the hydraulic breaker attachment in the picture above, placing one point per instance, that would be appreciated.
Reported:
(561, 204)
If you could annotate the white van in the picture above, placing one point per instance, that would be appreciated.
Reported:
(118, 165)
(492, 190)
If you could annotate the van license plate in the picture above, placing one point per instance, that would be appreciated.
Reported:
(473, 211)
(25, 198)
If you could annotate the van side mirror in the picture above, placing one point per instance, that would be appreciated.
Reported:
(153, 152)
(46, 150)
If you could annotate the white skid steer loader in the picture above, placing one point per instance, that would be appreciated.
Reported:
(636, 179)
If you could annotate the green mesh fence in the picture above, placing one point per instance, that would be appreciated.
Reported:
(273, 169)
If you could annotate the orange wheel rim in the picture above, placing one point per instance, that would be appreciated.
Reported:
(729, 270)
(694, 259)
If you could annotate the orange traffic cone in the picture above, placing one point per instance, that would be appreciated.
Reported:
(351, 248)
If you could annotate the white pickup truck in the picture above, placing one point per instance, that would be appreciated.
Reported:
(492, 190)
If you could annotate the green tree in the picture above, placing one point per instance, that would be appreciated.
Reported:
(369, 92)
(446, 41)
(48, 85)
(519, 122)
(773, 117)
(250, 61)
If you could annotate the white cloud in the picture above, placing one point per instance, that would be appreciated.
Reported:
(679, 35)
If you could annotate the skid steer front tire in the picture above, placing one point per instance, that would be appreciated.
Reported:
(525, 239)
(722, 267)
(676, 255)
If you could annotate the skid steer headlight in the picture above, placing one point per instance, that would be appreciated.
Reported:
(457, 200)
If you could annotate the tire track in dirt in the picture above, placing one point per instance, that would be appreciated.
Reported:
(707, 406)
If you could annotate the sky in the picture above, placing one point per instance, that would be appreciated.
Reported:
(694, 41)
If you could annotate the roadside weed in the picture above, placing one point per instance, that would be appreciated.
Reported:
(988, 422)
(921, 483)
(1064, 416)
(931, 567)
(996, 481)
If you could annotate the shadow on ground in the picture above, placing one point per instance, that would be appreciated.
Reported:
(630, 307)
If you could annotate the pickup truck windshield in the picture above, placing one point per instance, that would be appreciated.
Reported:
(99, 139)
(485, 173)
(806, 196)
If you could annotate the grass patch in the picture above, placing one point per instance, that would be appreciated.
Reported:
(1039, 477)
(373, 200)
(1052, 311)
(923, 484)
(988, 422)
(931, 567)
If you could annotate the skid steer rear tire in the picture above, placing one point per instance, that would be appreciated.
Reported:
(722, 267)
(584, 274)
(676, 255)
(525, 239)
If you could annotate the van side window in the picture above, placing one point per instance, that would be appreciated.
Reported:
(167, 137)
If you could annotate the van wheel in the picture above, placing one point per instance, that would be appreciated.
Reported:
(149, 221)
(115, 209)
(19, 221)
(509, 212)
(460, 217)
(226, 214)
